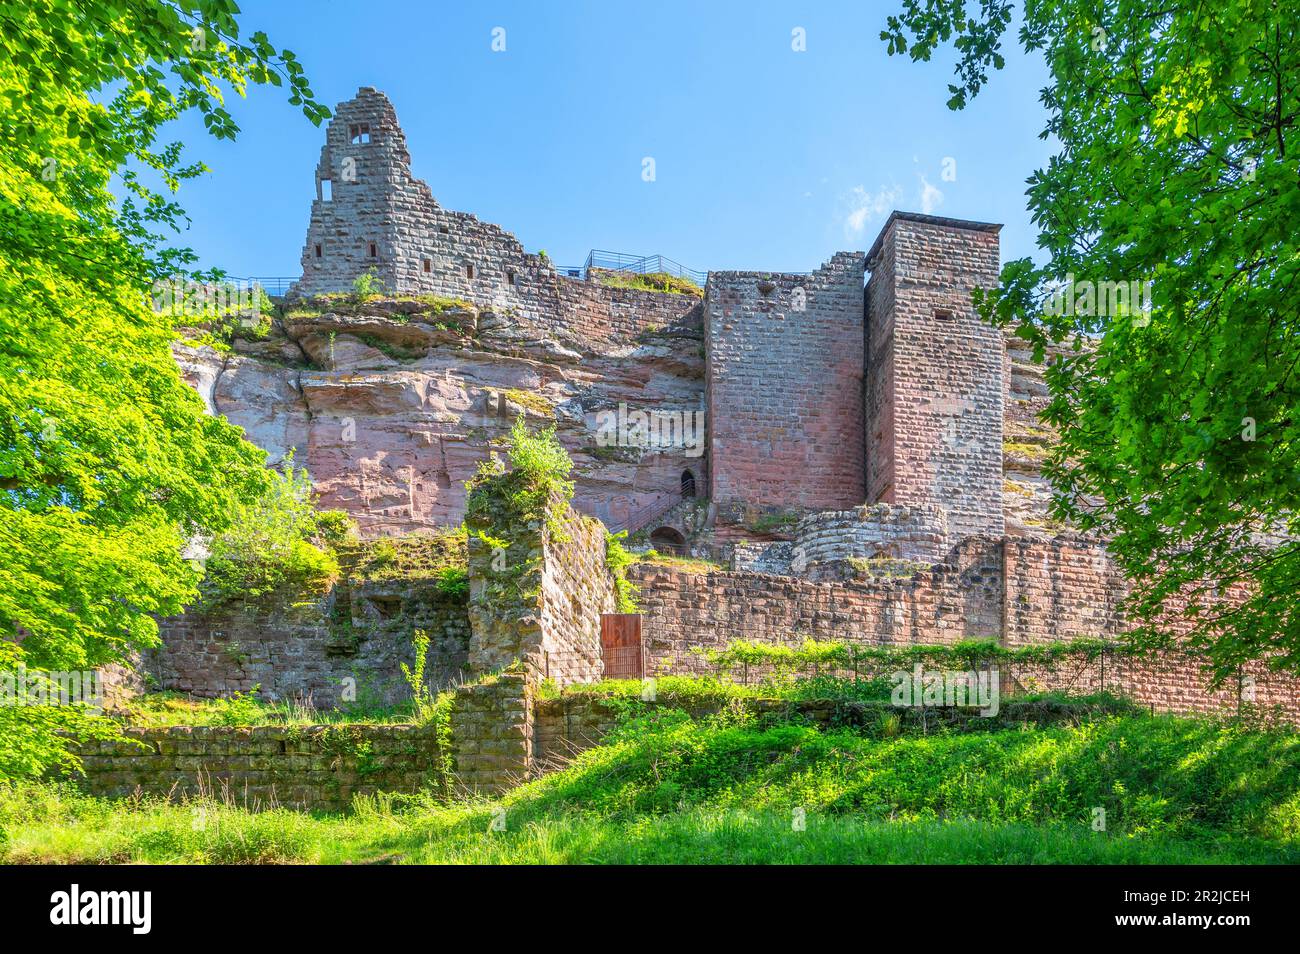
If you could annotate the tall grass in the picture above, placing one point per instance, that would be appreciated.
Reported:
(741, 787)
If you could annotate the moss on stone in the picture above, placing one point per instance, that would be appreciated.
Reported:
(1033, 451)
(532, 401)
(415, 555)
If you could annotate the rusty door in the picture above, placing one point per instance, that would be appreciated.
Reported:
(620, 645)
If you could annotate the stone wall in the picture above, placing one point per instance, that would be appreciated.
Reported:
(314, 768)
(538, 600)
(934, 395)
(492, 733)
(917, 533)
(1059, 589)
(959, 598)
(1021, 592)
(784, 386)
(577, 588)
(290, 645)
(378, 217)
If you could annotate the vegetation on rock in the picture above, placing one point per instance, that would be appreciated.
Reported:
(653, 281)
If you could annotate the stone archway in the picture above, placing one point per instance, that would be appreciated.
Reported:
(668, 540)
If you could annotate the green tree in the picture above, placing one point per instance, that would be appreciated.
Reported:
(1178, 165)
(269, 544)
(107, 462)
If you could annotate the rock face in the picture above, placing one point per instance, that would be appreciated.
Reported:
(392, 413)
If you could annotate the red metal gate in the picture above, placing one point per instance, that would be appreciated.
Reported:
(620, 645)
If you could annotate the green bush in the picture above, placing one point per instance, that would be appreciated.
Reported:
(617, 559)
(267, 546)
(453, 581)
(538, 477)
(367, 285)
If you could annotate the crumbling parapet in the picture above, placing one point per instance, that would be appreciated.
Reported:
(538, 586)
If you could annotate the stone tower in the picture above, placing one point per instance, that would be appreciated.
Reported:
(371, 214)
(784, 386)
(934, 389)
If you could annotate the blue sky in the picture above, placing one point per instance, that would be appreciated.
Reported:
(765, 158)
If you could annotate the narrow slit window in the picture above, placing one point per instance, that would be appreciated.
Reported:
(327, 190)
(510, 277)
(428, 266)
(374, 250)
(469, 271)
(318, 250)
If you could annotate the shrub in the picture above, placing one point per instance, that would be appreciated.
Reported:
(453, 581)
(539, 471)
(367, 285)
(267, 546)
(617, 560)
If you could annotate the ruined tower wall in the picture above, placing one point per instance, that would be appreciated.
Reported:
(784, 386)
(935, 394)
(419, 247)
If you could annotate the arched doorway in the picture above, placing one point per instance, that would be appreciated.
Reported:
(668, 540)
(688, 484)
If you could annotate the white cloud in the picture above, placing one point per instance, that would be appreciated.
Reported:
(931, 198)
(864, 206)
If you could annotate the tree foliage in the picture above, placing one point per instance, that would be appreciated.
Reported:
(271, 543)
(107, 461)
(1177, 164)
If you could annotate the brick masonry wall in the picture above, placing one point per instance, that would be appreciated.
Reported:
(492, 734)
(784, 386)
(291, 646)
(1060, 589)
(315, 768)
(540, 600)
(1022, 592)
(935, 392)
(577, 588)
(422, 248)
(878, 530)
(953, 600)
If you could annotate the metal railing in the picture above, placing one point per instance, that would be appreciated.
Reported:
(643, 516)
(274, 285)
(641, 265)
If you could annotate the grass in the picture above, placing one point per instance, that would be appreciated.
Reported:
(666, 787)
(159, 709)
(689, 564)
(384, 832)
(653, 281)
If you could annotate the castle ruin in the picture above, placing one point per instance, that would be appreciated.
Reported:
(869, 469)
